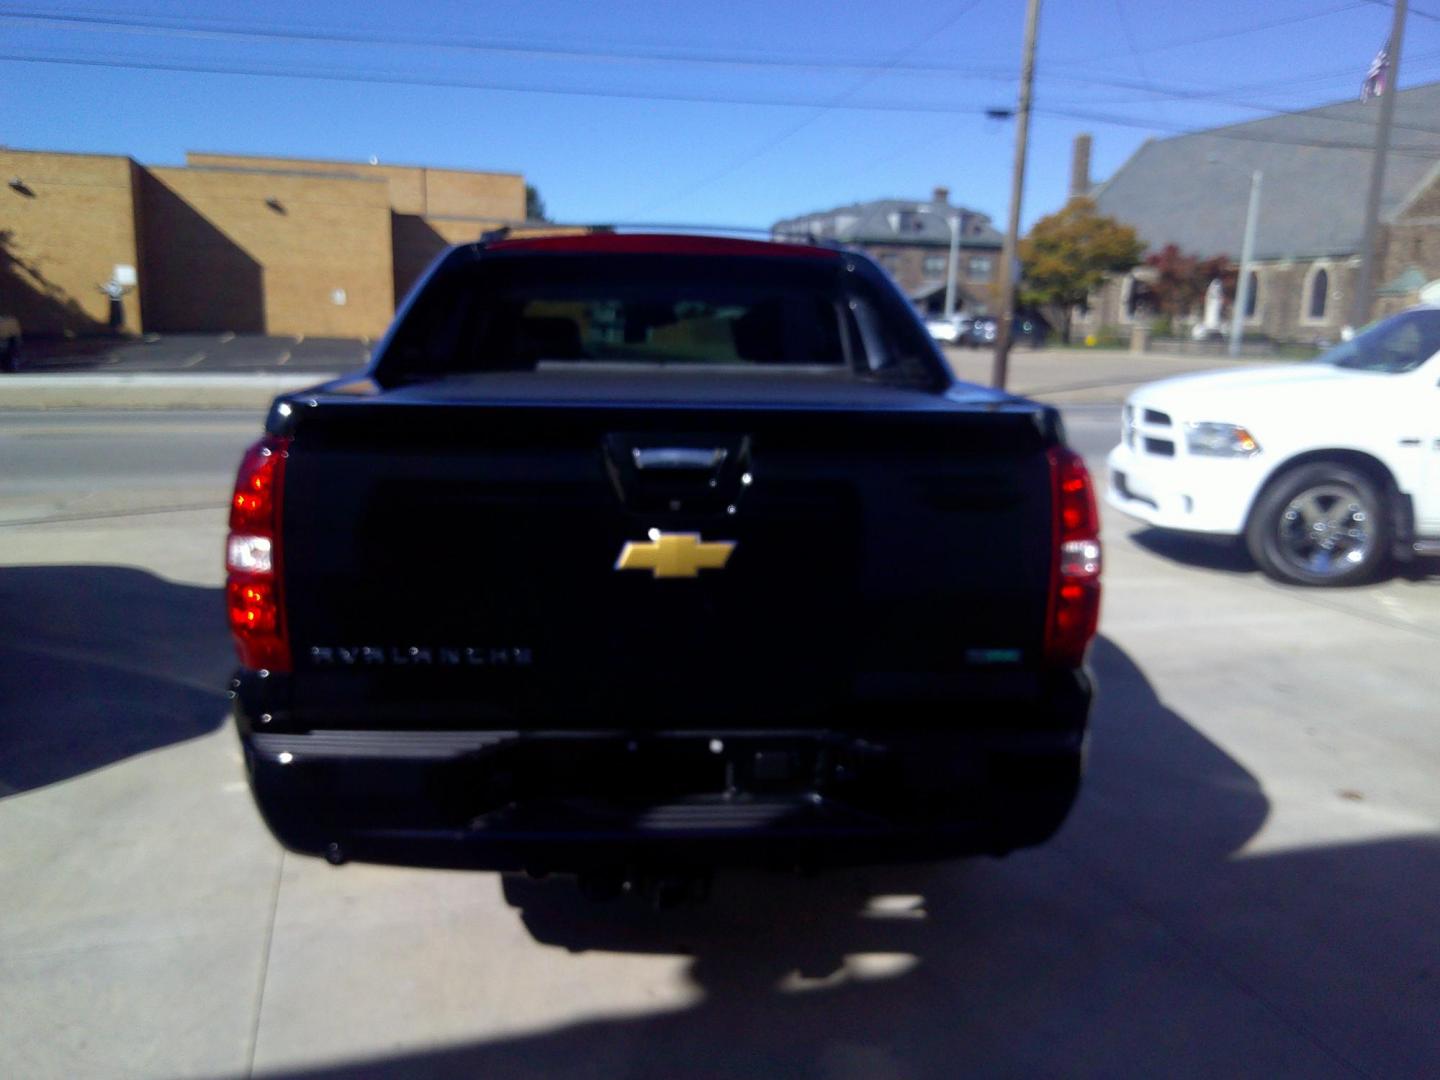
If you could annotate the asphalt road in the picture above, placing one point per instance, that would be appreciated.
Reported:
(1247, 885)
(200, 353)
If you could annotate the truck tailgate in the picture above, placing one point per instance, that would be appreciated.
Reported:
(454, 562)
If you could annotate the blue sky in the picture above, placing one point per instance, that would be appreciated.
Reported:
(737, 112)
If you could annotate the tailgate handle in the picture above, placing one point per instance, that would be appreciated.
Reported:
(678, 457)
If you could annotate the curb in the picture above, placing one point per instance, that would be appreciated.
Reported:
(150, 391)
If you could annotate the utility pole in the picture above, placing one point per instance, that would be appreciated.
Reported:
(1365, 288)
(1009, 254)
(1247, 252)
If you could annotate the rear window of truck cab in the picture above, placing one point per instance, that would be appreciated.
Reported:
(536, 312)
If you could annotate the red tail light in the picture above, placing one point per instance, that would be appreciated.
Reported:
(1074, 611)
(252, 558)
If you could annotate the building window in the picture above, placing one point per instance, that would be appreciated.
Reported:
(935, 266)
(979, 267)
(1252, 295)
(1317, 294)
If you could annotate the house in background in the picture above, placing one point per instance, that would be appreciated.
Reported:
(1193, 191)
(911, 239)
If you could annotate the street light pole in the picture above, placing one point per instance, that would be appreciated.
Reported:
(1247, 253)
(954, 222)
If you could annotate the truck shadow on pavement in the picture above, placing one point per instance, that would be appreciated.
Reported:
(1138, 942)
(1143, 940)
(1228, 554)
(101, 663)
(1205, 552)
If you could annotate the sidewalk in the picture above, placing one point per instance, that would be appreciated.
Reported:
(86, 391)
(1061, 376)
(1086, 376)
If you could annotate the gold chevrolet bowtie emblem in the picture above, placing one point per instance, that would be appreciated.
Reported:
(674, 555)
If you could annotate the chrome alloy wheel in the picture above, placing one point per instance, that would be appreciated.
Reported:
(1326, 530)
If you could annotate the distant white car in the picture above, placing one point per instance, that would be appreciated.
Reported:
(1328, 469)
(9, 342)
(951, 329)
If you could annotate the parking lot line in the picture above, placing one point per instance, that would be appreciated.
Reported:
(227, 337)
(284, 359)
(199, 356)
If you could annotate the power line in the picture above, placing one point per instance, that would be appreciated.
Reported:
(1272, 110)
(212, 29)
(794, 129)
(447, 82)
(389, 78)
(223, 30)
(1239, 31)
(220, 29)
(1234, 131)
(1413, 11)
(1130, 41)
(1178, 92)
(1219, 94)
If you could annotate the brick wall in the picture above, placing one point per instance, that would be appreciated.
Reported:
(418, 240)
(414, 189)
(62, 232)
(405, 183)
(909, 270)
(211, 251)
(450, 193)
(1281, 309)
(220, 256)
(1412, 240)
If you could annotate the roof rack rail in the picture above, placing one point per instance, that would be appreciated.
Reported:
(671, 226)
(516, 230)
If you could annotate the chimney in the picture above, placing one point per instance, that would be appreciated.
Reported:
(1080, 167)
(942, 196)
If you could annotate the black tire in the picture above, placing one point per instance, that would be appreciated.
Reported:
(1324, 524)
(10, 355)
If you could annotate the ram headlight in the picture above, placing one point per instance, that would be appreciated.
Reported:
(1210, 439)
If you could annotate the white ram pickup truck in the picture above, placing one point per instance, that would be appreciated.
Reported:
(1329, 469)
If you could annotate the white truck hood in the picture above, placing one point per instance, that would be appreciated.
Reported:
(1237, 396)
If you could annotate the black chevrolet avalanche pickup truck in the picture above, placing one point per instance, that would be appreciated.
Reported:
(660, 551)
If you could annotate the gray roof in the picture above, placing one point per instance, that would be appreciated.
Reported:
(876, 223)
(1316, 167)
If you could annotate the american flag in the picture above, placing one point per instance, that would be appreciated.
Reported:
(1375, 78)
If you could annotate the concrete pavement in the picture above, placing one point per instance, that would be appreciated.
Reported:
(1246, 887)
(204, 354)
(1086, 376)
(252, 391)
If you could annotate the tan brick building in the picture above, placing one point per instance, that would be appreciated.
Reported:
(230, 242)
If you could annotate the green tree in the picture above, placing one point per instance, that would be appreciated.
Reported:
(534, 204)
(1067, 255)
